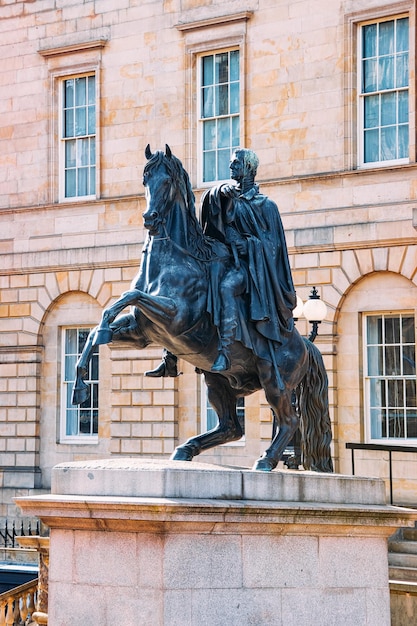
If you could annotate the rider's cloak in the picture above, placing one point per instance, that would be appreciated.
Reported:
(270, 294)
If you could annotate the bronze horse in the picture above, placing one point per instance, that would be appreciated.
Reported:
(169, 299)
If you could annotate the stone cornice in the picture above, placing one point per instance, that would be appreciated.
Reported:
(214, 21)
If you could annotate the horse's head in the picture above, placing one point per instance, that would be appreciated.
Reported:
(161, 184)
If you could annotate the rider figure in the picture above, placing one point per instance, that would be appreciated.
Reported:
(250, 224)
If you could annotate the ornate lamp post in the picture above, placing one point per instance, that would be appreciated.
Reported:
(314, 310)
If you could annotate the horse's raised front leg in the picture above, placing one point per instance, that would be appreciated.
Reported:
(223, 400)
(156, 308)
(80, 390)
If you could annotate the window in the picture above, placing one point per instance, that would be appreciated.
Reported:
(219, 112)
(209, 417)
(79, 136)
(384, 91)
(78, 422)
(390, 381)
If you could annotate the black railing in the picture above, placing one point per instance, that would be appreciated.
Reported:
(383, 448)
(17, 528)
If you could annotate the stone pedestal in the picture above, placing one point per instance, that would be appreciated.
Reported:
(164, 543)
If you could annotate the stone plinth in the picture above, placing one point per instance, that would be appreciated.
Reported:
(164, 543)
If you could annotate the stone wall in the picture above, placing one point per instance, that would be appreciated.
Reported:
(350, 232)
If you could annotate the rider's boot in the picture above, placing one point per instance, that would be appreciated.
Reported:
(228, 325)
(167, 367)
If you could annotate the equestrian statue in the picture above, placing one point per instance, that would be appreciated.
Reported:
(220, 295)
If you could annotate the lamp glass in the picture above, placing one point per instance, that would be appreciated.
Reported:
(314, 310)
(298, 311)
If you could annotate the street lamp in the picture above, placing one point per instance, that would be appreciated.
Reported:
(314, 310)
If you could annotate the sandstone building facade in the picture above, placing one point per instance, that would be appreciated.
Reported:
(325, 95)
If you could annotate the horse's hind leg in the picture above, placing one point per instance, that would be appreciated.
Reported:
(285, 418)
(223, 400)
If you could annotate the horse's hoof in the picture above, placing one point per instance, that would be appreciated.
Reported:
(80, 394)
(182, 453)
(265, 464)
(103, 335)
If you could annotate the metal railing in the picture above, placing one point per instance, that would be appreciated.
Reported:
(383, 448)
(17, 528)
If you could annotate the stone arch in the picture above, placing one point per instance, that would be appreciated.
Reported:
(369, 293)
(69, 308)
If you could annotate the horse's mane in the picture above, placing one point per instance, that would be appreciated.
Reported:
(199, 245)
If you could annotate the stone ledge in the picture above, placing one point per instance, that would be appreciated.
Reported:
(175, 479)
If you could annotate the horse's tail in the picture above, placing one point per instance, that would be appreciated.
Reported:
(313, 403)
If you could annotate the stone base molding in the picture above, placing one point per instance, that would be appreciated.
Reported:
(169, 543)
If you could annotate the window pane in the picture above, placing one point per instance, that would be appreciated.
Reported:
(402, 34)
(371, 113)
(392, 330)
(70, 183)
(70, 362)
(208, 70)
(91, 112)
(376, 391)
(403, 107)
(83, 151)
(72, 421)
(392, 361)
(209, 139)
(378, 424)
(234, 98)
(374, 329)
(403, 139)
(209, 166)
(396, 423)
(69, 93)
(235, 132)
(82, 180)
(223, 164)
(71, 341)
(375, 360)
(92, 146)
(234, 65)
(85, 422)
(223, 133)
(80, 91)
(92, 180)
(369, 40)
(91, 90)
(411, 417)
(80, 121)
(208, 102)
(388, 108)
(222, 100)
(371, 146)
(410, 391)
(402, 71)
(222, 68)
(386, 73)
(396, 393)
(69, 123)
(388, 143)
(70, 152)
(386, 37)
(409, 361)
(407, 327)
(369, 76)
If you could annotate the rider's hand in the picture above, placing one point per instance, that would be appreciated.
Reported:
(242, 247)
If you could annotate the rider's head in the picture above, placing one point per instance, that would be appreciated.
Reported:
(244, 163)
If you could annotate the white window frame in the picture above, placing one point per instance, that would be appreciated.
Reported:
(367, 377)
(201, 119)
(63, 140)
(361, 95)
(207, 413)
(66, 384)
